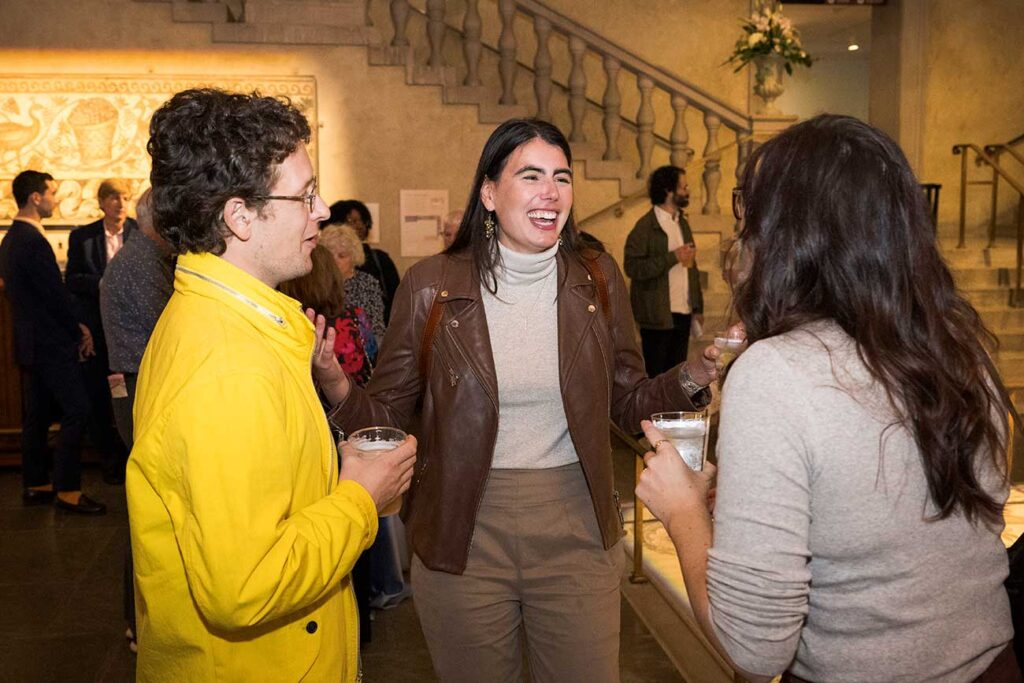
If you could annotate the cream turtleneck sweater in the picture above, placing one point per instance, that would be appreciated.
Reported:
(522, 320)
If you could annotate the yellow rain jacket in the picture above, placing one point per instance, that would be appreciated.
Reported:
(243, 537)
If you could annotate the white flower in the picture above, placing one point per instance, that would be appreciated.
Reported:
(754, 38)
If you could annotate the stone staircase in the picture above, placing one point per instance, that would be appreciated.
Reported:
(462, 65)
(498, 77)
(983, 274)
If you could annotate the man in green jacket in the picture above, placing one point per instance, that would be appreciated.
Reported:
(660, 260)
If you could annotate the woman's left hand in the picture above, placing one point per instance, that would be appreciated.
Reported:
(326, 368)
(669, 488)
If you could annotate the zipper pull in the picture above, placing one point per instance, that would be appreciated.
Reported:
(452, 377)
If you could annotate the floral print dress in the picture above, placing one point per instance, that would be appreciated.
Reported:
(355, 344)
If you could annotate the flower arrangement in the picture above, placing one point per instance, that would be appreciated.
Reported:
(767, 33)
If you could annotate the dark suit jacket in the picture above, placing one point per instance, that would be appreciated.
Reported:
(45, 320)
(87, 259)
(647, 261)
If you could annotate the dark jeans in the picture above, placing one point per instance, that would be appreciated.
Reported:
(123, 414)
(665, 349)
(43, 386)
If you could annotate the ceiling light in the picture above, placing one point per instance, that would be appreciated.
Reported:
(853, 47)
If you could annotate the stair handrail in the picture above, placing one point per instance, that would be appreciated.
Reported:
(617, 207)
(1017, 294)
(639, 66)
(638, 450)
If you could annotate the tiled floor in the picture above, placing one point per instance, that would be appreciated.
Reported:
(61, 614)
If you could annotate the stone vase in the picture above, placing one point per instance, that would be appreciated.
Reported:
(768, 73)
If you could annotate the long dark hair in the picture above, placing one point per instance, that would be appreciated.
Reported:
(836, 227)
(506, 138)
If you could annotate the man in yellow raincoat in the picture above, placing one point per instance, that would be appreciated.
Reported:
(243, 527)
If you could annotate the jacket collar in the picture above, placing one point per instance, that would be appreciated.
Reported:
(213, 277)
(462, 281)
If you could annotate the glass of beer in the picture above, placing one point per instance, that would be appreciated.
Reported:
(688, 433)
(372, 442)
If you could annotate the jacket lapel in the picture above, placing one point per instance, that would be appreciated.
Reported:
(578, 308)
(464, 321)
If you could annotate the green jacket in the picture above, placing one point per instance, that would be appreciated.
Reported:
(647, 261)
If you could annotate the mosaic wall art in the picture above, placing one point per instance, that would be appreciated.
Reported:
(82, 129)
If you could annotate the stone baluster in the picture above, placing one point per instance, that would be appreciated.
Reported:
(644, 125)
(577, 89)
(400, 20)
(743, 149)
(507, 48)
(471, 46)
(435, 31)
(679, 137)
(542, 68)
(612, 103)
(366, 12)
(712, 165)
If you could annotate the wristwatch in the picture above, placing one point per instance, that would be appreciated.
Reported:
(699, 395)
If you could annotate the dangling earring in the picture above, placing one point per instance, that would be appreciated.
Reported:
(559, 240)
(489, 226)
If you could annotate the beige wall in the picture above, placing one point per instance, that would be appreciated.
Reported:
(974, 93)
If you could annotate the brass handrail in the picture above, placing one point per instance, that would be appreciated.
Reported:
(637, 575)
(1017, 294)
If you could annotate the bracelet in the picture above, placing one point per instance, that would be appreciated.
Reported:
(699, 395)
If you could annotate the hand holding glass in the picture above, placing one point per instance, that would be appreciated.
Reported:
(688, 433)
(371, 443)
(730, 343)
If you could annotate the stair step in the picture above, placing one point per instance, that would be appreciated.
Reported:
(988, 298)
(346, 14)
(387, 55)
(290, 34)
(419, 74)
(491, 112)
(468, 94)
(981, 278)
(1002, 318)
(186, 12)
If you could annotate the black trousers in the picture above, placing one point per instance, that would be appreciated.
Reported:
(54, 383)
(665, 349)
(102, 431)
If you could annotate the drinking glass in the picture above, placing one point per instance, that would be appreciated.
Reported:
(730, 343)
(688, 432)
(372, 442)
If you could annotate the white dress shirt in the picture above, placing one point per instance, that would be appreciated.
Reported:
(678, 278)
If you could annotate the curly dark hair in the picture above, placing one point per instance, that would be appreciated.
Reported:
(662, 183)
(836, 227)
(208, 146)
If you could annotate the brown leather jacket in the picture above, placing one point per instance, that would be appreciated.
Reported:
(602, 375)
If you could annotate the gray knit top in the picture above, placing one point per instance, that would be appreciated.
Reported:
(826, 558)
(522, 320)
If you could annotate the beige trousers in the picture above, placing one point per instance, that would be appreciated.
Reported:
(537, 577)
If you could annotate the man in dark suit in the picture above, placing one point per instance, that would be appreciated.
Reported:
(49, 340)
(661, 262)
(90, 248)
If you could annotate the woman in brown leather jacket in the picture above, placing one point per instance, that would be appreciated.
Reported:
(516, 347)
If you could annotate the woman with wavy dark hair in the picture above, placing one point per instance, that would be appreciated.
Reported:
(519, 347)
(861, 475)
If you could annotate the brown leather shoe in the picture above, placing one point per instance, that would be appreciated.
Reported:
(85, 506)
(37, 496)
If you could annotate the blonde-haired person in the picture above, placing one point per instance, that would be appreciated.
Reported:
(362, 290)
(90, 249)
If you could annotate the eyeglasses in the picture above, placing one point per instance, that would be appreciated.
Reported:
(310, 198)
(737, 203)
